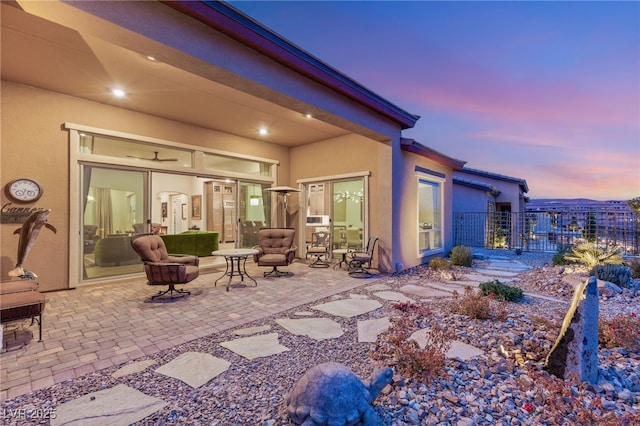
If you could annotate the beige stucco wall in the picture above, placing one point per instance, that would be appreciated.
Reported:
(406, 213)
(34, 144)
(350, 154)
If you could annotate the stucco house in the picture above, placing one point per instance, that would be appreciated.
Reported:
(183, 114)
(489, 208)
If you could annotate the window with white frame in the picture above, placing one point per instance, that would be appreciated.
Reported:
(429, 215)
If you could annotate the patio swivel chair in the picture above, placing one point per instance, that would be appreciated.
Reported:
(275, 248)
(359, 262)
(163, 269)
(319, 248)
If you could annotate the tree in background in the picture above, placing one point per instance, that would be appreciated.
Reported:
(634, 204)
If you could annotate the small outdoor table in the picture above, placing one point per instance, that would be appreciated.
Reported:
(234, 269)
(343, 252)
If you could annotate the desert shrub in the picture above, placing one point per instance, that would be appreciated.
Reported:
(635, 268)
(558, 258)
(478, 306)
(501, 291)
(439, 263)
(461, 256)
(591, 256)
(617, 274)
(621, 331)
(394, 348)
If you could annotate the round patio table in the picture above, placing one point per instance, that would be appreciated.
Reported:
(234, 268)
(343, 252)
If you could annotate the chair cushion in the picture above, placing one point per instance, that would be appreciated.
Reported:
(170, 273)
(151, 248)
(276, 240)
(273, 260)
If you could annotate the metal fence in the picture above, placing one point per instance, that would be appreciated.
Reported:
(548, 231)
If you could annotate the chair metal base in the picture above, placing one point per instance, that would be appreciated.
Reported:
(171, 290)
(319, 262)
(357, 270)
(277, 273)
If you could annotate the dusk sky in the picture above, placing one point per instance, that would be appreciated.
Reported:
(544, 91)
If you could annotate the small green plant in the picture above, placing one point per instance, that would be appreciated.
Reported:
(617, 274)
(591, 256)
(396, 349)
(501, 291)
(558, 258)
(477, 306)
(461, 256)
(439, 263)
(621, 331)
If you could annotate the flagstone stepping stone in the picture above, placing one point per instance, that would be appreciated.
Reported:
(358, 296)
(393, 295)
(511, 265)
(194, 368)
(132, 368)
(304, 313)
(496, 272)
(458, 349)
(482, 278)
(422, 291)
(255, 346)
(315, 328)
(252, 330)
(116, 406)
(463, 351)
(368, 330)
(378, 287)
(349, 308)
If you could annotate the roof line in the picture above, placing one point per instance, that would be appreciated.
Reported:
(477, 172)
(411, 145)
(230, 21)
(477, 185)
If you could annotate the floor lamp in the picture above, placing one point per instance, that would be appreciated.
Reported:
(284, 191)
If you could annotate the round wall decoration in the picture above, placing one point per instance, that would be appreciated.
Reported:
(23, 190)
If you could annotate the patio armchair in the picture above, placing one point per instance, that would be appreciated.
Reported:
(163, 269)
(319, 248)
(361, 261)
(275, 248)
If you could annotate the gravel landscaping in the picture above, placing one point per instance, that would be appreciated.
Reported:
(505, 386)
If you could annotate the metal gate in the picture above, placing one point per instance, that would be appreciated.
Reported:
(548, 231)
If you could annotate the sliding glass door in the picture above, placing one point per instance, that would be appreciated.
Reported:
(254, 212)
(348, 214)
(114, 209)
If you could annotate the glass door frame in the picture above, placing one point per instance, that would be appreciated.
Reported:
(330, 180)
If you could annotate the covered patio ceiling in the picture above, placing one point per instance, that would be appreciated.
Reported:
(47, 45)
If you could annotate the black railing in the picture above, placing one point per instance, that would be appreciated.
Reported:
(548, 231)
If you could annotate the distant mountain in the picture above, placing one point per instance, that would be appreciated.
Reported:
(576, 204)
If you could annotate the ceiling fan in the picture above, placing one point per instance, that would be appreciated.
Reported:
(155, 157)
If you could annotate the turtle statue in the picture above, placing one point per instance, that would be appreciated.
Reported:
(331, 394)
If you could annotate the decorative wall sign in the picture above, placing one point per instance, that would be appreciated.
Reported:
(164, 209)
(18, 215)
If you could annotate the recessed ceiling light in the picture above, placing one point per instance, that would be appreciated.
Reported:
(118, 93)
(151, 58)
(308, 115)
(262, 131)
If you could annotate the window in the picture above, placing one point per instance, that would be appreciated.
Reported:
(429, 215)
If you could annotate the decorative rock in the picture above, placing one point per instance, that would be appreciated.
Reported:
(331, 394)
(576, 349)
